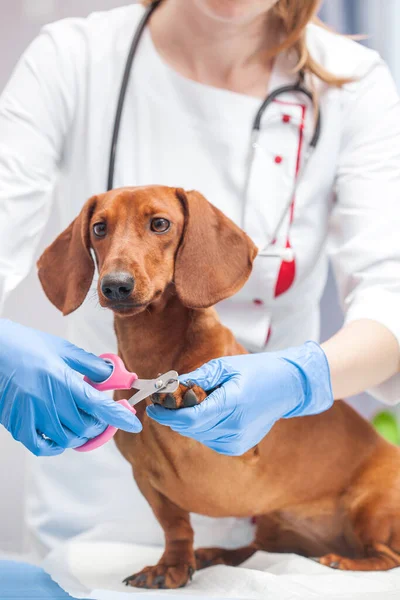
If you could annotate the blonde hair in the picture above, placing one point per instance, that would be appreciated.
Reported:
(292, 17)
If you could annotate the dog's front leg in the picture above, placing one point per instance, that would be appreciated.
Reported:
(178, 563)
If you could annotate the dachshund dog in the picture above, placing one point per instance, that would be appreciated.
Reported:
(324, 486)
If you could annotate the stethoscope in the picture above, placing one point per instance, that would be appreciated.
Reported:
(269, 250)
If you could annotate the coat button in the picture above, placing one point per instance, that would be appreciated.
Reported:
(278, 159)
(258, 302)
(286, 118)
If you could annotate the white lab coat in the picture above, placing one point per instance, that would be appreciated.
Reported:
(56, 119)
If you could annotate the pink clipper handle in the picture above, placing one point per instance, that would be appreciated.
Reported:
(107, 434)
(120, 379)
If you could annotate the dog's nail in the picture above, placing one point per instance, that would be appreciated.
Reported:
(140, 578)
(191, 571)
(334, 564)
(189, 399)
(169, 401)
(159, 581)
(128, 580)
(155, 398)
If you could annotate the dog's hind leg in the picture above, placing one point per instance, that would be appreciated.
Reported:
(208, 557)
(373, 506)
(379, 557)
(274, 533)
(267, 529)
(377, 531)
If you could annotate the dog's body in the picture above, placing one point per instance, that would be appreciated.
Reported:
(316, 485)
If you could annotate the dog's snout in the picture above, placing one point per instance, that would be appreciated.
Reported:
(117, 286)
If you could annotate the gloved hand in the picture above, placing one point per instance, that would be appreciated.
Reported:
(253, 391)
(41, 392)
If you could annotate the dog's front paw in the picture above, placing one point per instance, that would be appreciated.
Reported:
(184, 397)
(165, 577)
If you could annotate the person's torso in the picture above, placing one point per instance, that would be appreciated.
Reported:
(181, 133)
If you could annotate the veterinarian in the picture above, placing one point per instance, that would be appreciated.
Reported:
(201, 71)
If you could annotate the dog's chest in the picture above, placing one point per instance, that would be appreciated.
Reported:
(190, 475)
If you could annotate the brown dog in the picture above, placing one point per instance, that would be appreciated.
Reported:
(324, 485)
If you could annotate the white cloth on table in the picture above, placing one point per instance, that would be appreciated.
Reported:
(93, 566)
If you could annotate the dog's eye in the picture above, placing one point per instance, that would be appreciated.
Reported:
(159, 225)
(99, 229)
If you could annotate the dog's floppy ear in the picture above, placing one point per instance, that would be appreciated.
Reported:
(215, 256)
(66, 267)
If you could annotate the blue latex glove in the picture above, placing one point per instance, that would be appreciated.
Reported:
(42, 393)
(253, 392)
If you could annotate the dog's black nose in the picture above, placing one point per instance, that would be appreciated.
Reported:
(117, 286)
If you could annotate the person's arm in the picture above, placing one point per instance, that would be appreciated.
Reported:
(362, 355)
(36, 112)
(256, 390)
(252, 392)
(249, 393)
(364, 241)
(44, 403)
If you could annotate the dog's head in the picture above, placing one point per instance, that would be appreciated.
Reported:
(145, 239)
